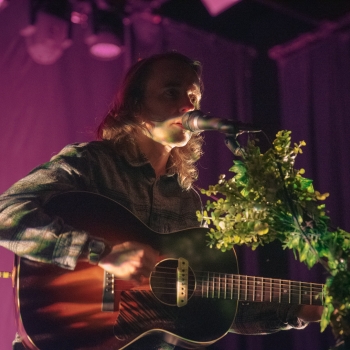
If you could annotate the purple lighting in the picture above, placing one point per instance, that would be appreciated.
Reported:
(3, 4)
(215, 7)
(104, 45)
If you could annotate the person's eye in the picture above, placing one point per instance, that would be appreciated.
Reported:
(173, 93)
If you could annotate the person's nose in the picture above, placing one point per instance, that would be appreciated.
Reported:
(187, 104)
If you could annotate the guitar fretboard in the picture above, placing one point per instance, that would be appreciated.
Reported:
(246, 288)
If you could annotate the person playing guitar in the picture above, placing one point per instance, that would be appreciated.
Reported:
(144, 160)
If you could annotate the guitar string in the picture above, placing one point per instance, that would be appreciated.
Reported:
(244, 279)
(242, 289)
(219, 289)
(245, 289)
(249, 289)
(248, 293)
(243, 283)
(255, 279)
(242, 296)
(298, 299)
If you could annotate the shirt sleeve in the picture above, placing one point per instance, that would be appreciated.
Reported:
(264, 318)
(26, 229)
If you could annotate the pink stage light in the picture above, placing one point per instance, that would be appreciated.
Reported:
(105, 38)
(104, 45)
(3, 4)
(215, 7)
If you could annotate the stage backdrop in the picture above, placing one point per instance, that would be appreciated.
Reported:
(314, 85)
(45, 107)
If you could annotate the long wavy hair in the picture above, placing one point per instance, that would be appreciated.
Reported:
(121, 124)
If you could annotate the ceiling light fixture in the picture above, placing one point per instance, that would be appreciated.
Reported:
(106, 40)
(48, 34)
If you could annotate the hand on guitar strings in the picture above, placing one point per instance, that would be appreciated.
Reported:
(130, 261)
(310, 313)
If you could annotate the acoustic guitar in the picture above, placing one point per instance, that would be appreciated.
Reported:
(190, 299)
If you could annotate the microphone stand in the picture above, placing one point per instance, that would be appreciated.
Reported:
(233, 145)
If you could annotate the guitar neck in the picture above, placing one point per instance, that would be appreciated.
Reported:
(259, 289)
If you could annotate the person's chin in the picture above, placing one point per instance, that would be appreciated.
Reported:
(181, 143)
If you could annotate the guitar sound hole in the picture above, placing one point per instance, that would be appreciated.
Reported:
(163, 282)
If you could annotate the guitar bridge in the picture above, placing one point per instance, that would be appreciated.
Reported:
(108, 292)
(182, 282)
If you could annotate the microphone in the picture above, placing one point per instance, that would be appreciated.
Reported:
(198, 121)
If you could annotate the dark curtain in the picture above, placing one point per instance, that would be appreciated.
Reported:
(314, 84)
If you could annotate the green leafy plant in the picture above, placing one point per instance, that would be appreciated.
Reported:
(268, 199)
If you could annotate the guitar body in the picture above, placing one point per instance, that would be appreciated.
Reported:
(62, 309)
